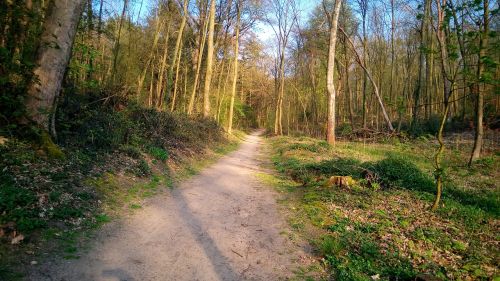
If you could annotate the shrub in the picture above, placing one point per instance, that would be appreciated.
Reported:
(158, 153)
(143, 169)
(338, 167)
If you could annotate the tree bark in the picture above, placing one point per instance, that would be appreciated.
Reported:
(201, 47)
(210, 55)
(53, 56)
(235, 68)
(483, 41)
(177, 56)
(333, 22)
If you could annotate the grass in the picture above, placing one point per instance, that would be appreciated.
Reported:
(381, 226)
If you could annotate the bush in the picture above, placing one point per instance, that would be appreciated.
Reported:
(158, 153)
(338, 167)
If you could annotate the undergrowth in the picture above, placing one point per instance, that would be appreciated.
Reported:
(114, 157)
(385, 230)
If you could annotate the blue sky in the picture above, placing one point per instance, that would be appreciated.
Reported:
(263, 30)
(266, 33)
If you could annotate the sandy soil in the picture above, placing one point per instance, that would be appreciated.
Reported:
(220, 225)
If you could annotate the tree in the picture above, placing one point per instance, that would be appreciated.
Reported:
(235, 67)
(210, 55)
(483, 42)
(54, 53)
(282, 20)
(177, 57)
(202, 36)
(375, 87)
(449, 76)
(333, 19)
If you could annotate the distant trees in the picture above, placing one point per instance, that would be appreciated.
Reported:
(398, 66)
(282, 18)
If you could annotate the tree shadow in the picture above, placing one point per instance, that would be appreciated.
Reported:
(219, 261)
(120, 274)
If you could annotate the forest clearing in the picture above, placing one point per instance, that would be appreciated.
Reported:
(249, 140)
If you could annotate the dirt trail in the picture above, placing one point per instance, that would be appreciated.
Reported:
(220, 225)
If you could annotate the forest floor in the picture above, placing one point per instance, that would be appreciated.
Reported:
(222, 224)
(377, 223)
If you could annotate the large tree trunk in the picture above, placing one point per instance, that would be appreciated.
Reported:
(59, 31)
(235, 68)
(210, 56)
(333, 20)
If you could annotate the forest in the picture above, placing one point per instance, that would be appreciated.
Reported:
(373, 124)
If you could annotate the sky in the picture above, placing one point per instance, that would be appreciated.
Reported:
(262, 29)
(266, 33)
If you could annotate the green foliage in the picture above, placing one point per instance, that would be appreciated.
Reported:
(363, 233)
(397, 171)
(18, 205)
(20, 39)
(158, 153)
(131, 151)
(143, 168)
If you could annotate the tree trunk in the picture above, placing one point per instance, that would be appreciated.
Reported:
(177, 56)
(142, 77)
(375, 88)
(210, 55)
(235, 69)
(483, 41)
(201, 47)
(422, 65)
(116, 49)
(53, 56)
(333, 21)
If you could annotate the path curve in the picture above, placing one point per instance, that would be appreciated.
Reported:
(220, 225)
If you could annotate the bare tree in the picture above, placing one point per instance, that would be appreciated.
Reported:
(483, 42)
(210, 55)
(368, 74)
(333, 19)
(235, 67)
(282, 19)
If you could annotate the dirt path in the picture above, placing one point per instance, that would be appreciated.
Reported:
(220, 225)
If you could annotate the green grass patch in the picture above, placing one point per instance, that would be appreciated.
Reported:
(388, 232)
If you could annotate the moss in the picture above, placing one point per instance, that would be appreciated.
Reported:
(47, 145)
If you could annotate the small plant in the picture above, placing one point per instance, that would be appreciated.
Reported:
(330, 246)
(158, 153)
(131, 151)
(143, 168)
